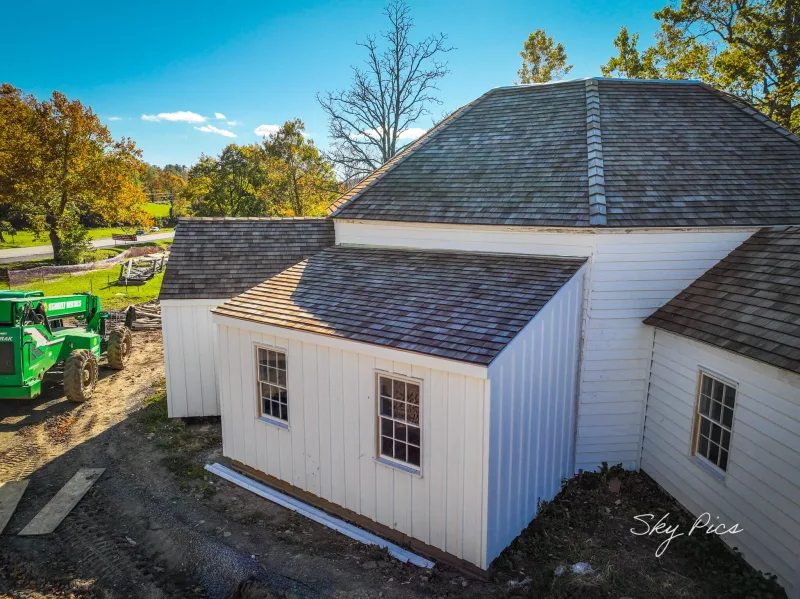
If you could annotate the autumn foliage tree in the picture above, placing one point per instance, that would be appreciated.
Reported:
(59, 163)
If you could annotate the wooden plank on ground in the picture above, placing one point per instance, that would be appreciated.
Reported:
(51, 515)
(10, 494)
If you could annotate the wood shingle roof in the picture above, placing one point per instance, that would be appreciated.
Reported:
(455, 305)
(217, 258)
(596, 152)
(749, 303)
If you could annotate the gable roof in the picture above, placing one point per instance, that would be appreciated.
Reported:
(595, 152)
(749, 303)
(455, 305)
(217, 258)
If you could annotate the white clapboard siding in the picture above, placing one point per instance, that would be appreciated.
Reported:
(330, 446)
(189, 347)
(761, 489)
(632, 274)
(533, 410)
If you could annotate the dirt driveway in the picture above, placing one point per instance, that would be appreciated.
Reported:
(157, 525)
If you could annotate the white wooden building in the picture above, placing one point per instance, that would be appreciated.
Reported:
(647, 184)
(211, 260)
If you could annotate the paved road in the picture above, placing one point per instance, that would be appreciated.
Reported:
(38, 252)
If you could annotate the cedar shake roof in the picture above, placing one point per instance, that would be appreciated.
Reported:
(456, 305)
(596, 152)
(749, 303)
(215, 258)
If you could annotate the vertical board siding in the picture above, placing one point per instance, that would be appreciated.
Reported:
(533, 403)
(190, 346)
(632, 274)
(761, 490)
(330, 447)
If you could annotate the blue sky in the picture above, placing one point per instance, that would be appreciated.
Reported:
(262, 62)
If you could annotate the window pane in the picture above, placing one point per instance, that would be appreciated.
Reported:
(276, 409)
(285, 412)
(716, 394)
(705, 387)
(273, 375)
(412, 413)
(702, 446)
(386, 427)
(413, 435)
(730, 396)
(723, 459)
(263, 374)
(262, 356)
(399, 410)
(400, 451)
(281, 360)
(264, 406)
(282, 378)
(399, 431)
(412, 392)
(726, 440)
(705, 426)
(385, 386)
(705, 405)
(399, 390)
(386, 446)
(386, 406)
(282, 396)
(713, 452)
(716, 410)
(273, 358)
(413, 455)
(716, 433)
(727, 417)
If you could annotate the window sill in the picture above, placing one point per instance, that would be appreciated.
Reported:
(718, 475)
(275, 423)
(396, 466)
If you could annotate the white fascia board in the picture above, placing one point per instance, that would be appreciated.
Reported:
(385, 353)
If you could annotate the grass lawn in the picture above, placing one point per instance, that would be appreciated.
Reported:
(26, 239)
(157, 210)
(101, 283)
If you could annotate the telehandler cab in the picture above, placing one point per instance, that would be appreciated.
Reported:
(34, 342)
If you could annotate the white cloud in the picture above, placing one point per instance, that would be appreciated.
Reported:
(114, 118)
(219, 116)
(264, 130)
(233, 123)
(183, 116)
(213, 129)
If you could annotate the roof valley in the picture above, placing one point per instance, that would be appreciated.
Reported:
(594, 146)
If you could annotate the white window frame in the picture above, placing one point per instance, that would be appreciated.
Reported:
(389, 460)
(275, 420)
(698, 417)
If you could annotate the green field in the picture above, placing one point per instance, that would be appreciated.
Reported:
(100, 283)
(157, 210)
(26, 239)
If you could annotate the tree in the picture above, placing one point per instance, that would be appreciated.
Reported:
(750, 48)
(543, 60)
(629, 63)
(58, 163)
(372, 120)
(302, 183)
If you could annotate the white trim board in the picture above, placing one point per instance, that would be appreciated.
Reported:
(318, 516)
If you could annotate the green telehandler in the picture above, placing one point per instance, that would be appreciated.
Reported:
(34, 342)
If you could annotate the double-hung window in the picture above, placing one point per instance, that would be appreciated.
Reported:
(399, 437)
(714, 420)
(274, 402)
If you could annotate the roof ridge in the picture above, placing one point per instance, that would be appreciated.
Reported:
(751, 110)
(594, 149)
(347, 197)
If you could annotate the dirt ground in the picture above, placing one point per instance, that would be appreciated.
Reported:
(157, 525)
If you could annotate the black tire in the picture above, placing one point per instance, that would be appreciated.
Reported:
(80, 375)
(120, 343)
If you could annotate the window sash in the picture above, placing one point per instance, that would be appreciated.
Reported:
(271, 387)
(716, 401)
(402, 442)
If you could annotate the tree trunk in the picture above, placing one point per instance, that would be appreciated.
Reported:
(55, 240)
